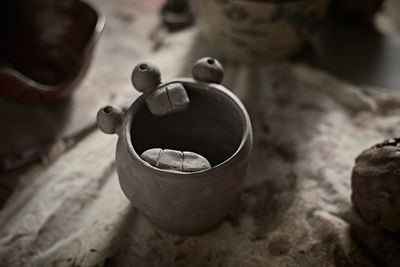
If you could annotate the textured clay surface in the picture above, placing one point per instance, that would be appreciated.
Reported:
(168, 99)
(175, 160)
(376, 185)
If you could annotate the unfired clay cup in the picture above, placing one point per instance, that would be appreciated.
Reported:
(253, 30)
(215, 125)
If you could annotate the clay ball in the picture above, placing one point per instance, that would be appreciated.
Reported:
(145, 76)
(208, 70)
(109, 118)
(375, 185)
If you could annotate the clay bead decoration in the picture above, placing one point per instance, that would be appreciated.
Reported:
(108, 119)
(375, 185)
(145, 77)
(208, 70)
(161, 100)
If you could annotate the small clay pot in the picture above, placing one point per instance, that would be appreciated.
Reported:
(47, 47)
(375, 184)
(215, 125)
(252, 30)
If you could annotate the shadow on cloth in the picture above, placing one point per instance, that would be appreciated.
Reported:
(29, 130)
(381, 246)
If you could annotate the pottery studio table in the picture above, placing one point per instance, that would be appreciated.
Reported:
(295, 208)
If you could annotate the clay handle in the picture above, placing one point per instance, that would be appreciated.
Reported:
(109, 119)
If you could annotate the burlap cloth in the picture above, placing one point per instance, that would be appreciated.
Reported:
(295, 207)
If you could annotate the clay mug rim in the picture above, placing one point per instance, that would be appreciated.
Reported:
(126, 121)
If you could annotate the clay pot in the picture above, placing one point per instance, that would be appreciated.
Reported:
(214, 125)
(252, 30)
(47, 48)
(375, 185)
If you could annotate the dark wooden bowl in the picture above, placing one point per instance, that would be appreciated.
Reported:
(47, 47)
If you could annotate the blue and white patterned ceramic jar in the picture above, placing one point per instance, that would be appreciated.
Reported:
(250, 30)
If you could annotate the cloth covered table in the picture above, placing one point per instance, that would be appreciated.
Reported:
(295, 208)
